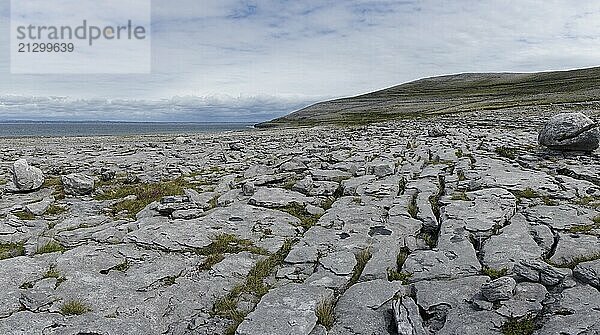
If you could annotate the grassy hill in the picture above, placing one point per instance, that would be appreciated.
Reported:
(452, 94)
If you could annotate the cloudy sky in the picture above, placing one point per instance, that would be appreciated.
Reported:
(220, 60)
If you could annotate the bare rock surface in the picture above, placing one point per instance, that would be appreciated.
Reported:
(456, 224)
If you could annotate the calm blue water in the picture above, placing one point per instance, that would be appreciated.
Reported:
(47, 129)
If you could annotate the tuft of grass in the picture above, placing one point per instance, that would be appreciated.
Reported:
(53, 273)
(55, 210)
(10, 250)
(394, 275)
(50, 247)
(362, 258)
(3, 181)
(515, 326)
(589, 201)
(328, 203)
(397, 274)
(575, 261)
(596, 219)
(585, 228)
(548, 201)
(289, 184)
(307, 220)
(459, 153)
(506, 152)
(494, 273)
(254, 284)
(56, 184)
(122, 266)
(460, 196)
(325, 313)
(145, 193)
(527, 193)
(230, 244)
(211, 260)
(461, 175)
(402, 185)
(74, 307)
(24, 215)
(413, 209)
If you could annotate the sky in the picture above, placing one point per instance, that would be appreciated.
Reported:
(241, 60)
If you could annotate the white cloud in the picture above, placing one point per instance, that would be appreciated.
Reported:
(323, 48)
(216, 108)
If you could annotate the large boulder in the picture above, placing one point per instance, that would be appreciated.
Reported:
(78, 184)
(26, 177)
(570, 131)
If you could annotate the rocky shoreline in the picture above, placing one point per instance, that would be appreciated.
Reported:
(457, 224)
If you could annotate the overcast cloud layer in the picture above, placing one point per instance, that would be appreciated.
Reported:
(254, 60)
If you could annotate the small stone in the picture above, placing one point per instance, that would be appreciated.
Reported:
(248, 189)
(40, 207)
(236, 146)
(107, 174)
(78, 184)
(499, 289)
(435, 131)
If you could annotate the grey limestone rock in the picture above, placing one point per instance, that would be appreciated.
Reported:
(588, 272)
(498, 289)
(26, 177)
(77, 184)
(289, 309)
(570, 131)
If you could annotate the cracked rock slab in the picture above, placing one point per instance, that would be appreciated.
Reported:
(288, 309)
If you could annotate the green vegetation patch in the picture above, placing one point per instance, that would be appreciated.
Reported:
(230, 244)
(506, 152)
(586, 228)
(55, 183)
(54, 273)
(74, 307)
(494, 273)
(254, 284)
(325, 313)
(397, 274)
(575, 261)
(589, 201)
(226, 244)
(145, 194)
(50, 247)
(307, 220)
(55, 210)
(515, 326)
(527, 193)
(413, 209)
(362, 258)
(462, 196)
(24, 215)
(10, 250)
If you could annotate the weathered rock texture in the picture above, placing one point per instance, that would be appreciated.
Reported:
(570, 131)
(378, 229)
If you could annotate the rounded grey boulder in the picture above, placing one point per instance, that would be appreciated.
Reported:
(26, 177)
(570, 131)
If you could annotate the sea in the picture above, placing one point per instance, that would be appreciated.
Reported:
(100, 128)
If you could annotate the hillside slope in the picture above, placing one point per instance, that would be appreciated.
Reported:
(450, 94)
